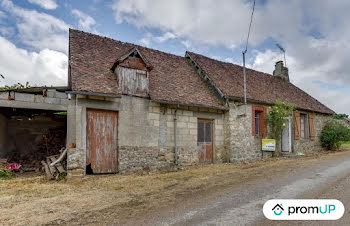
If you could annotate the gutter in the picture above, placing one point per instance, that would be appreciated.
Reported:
(94, 94)
(190, 105)
(267, 103)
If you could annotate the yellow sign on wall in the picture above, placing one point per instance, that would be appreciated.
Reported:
(268, 144)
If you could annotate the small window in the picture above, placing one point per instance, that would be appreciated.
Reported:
(257, 122)
(208, 132)
(205, 132)
(200, 131)
(303, 125)
(259, 126)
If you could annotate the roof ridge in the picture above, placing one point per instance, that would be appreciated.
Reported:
(262, 73)
(230, 63)
(128, 43)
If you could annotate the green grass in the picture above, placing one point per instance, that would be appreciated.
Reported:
(4, 174)
(346, 145)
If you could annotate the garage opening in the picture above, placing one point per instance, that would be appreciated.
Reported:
(28, 136)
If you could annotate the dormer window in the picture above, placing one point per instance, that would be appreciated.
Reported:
(132, 71)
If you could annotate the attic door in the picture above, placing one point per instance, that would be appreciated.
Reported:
(133, 76)
(101, 140)
(205, 140)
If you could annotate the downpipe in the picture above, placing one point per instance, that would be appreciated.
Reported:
(175, 136)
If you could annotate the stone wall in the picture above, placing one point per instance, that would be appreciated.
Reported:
(241, 144)
(75, 162)
(305, 145)
(146, 134)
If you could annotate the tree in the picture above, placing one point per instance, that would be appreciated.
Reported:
(340, 116)
(15, 86)
(276, 119)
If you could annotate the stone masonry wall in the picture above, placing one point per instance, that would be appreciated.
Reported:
(305, 145)
(241, 144)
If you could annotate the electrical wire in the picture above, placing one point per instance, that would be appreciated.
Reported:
(250, 25)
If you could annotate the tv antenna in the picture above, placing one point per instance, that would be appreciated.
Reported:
(284, 53)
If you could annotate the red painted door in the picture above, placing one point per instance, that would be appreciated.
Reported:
(102, 140)
(205, 140)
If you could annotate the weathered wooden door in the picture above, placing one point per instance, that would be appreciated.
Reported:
(205, 140)
(102, 140)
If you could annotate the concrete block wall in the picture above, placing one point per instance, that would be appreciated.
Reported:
(146, 134)
(146, 131)
(53, 97)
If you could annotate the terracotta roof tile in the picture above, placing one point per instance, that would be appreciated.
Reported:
(172, 79)
(261, 87)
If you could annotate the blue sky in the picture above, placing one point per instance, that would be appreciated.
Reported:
(34, 36)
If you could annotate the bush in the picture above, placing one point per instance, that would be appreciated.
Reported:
(333, 134)
(6, 174)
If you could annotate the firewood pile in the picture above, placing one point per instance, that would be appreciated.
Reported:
(54, 165)
(48, 145)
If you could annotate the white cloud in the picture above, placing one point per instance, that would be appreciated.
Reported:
(196, 20)
(46, 4)
(147, 39)
(47, 67)
(2, 14)
(85, 22)
(230, 60)
(307, 79)
(38, 30)
(7, 31)
(186, 43)
(166, 36)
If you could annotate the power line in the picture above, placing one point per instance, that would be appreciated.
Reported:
(243, 53)
(250, 25)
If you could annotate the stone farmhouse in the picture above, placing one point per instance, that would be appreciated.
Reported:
(131, 108)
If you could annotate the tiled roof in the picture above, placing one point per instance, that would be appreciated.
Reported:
(172, 79)
(261, 87)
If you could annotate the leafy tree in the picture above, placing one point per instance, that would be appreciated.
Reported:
(276, 119)
(333, 134)
(15, 86)
(340, 116)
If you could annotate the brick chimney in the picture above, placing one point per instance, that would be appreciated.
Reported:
(281, 71)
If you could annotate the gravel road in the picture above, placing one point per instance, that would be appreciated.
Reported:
(242, 204)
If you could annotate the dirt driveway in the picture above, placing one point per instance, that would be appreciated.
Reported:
(208, 194)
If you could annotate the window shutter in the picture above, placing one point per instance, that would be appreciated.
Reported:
(311, 126)
(296, 125)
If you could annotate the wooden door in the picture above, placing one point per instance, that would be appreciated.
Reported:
(287, 137)
(205, 140)
(101, 140)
